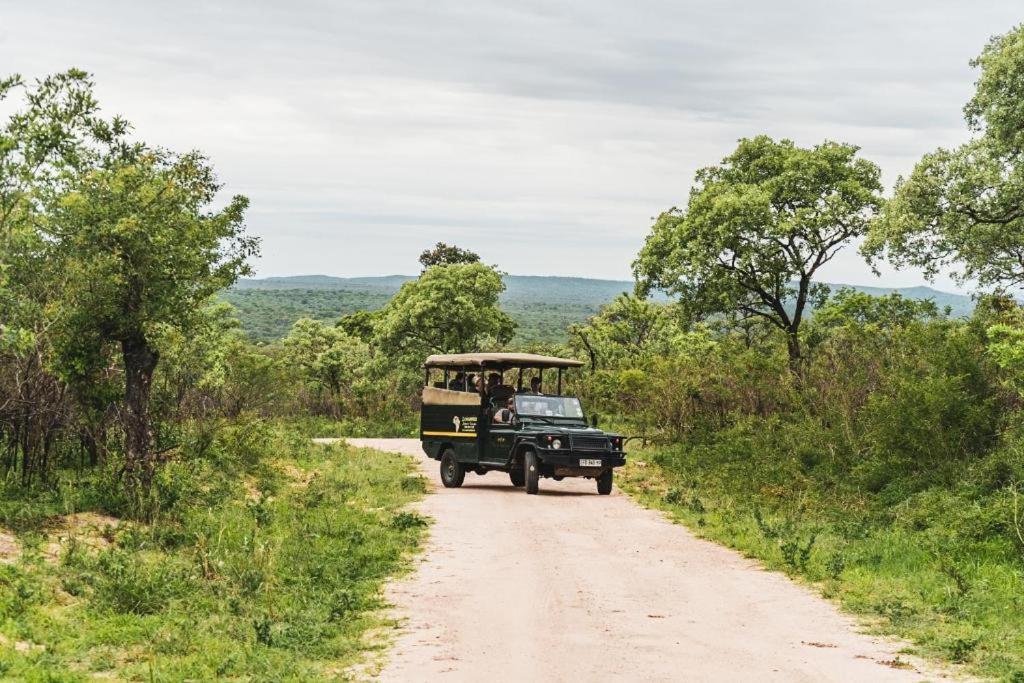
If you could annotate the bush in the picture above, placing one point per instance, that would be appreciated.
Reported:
(130, 584)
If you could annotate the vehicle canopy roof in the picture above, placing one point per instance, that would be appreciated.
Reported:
(499, 361)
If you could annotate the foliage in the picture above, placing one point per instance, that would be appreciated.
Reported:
(628, 327)
(327, 356)
(758, 227)
(893, 311)
(44, 146)
(445, 255)
(265, 563)
(138, 247)
(448, 309)
(965, 206)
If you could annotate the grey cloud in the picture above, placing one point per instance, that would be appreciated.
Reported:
(568, 122)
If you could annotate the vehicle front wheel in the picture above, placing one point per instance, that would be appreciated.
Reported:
(531, 472)
(604, 483)
(518, 477)
(452, 472)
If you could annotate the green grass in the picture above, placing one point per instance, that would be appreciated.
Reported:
(265, 562)
(941, 567)
(394, 426)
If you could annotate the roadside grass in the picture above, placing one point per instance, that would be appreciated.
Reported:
(385, 427)
(942, 568)
(265, 561)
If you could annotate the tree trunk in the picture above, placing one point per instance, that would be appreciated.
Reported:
(795, 353)
(140, 360)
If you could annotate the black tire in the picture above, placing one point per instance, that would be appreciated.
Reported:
(604, 482)
(531, 472)
(452, 471)
(518, 477)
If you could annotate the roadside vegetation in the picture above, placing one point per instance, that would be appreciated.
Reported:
(876, 448)
(264, 560)
(163, 512)
(890, 473)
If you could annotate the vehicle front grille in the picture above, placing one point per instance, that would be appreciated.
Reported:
(590, 443)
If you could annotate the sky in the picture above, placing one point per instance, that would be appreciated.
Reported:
(544, 135)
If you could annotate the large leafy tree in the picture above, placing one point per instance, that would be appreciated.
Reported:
(757, 229)
(451, 308)
(140, 247)
(963, 208)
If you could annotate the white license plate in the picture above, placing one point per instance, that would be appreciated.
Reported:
(590, 463)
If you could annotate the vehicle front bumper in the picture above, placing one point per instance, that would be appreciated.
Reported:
(557, 457)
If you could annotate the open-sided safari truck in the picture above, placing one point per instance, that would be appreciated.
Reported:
(478, 416)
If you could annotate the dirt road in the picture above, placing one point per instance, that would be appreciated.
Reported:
(572, 586)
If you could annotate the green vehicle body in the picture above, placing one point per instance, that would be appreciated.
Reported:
(549, 435)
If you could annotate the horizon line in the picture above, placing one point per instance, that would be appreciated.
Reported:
(594, 279)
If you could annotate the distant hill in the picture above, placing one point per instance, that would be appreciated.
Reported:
(544, 306)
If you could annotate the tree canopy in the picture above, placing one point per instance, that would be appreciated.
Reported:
(756, 230)
(138, 247)
(964, 207)
(449, 309)
(446, 255)
(629, 327)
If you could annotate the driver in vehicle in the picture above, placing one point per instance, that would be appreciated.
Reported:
(506, 414)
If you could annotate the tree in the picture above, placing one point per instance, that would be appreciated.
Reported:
(444, 255)
(360, 324)
(195, 360)
(964, 207)
(139, 247)
(52, 135)
(629, 328)
(327, 357)
(756, 230)
(892, 311)
(448, 309)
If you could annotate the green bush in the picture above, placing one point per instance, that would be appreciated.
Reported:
(130, 584)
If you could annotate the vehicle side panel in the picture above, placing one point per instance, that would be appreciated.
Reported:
(441, 424)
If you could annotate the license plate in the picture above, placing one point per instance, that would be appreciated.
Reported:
(590, 463)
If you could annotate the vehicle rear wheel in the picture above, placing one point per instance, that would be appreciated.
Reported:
(604, 483)
(531, 472)
(452, 472)
(518, 477)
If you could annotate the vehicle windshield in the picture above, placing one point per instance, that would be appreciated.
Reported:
(531, 405)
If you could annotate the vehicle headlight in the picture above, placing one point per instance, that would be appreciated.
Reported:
(556, 443)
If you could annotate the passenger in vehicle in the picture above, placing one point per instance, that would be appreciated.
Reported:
(534, 387)
(506, 414)
(458, 383)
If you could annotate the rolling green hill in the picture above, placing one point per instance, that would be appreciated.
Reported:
(543, 306)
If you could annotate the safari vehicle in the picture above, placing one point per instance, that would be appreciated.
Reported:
(543, 435)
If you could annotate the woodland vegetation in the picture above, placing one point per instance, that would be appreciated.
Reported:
(876, 448)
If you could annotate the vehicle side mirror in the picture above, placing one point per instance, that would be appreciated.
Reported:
(594, 419)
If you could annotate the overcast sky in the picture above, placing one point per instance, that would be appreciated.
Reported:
(544, 135)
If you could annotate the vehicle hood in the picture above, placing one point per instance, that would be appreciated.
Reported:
(564, 430)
